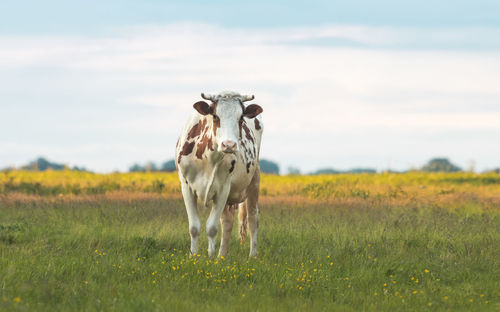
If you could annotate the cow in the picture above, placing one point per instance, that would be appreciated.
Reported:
(217, 158)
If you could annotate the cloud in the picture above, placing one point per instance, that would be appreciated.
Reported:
(132, 88)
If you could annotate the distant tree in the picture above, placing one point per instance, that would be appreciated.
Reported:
(497, 170)
(361, 170)
(440, 165)
(150, 166)
(293, 170)
(268, 166)
(137, 168)
(76, 168)
(326, 171)
(42, 164)
(168, 166)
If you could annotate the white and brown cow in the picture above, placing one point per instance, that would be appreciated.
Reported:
(217, 159)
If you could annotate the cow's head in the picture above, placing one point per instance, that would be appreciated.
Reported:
(226, 111)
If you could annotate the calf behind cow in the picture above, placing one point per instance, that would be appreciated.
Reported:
(217, 159)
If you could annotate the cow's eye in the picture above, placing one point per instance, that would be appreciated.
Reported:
(215, 117)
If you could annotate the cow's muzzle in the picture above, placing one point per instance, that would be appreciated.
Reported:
(229, 146)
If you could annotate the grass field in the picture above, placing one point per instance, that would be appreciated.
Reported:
(74, 241)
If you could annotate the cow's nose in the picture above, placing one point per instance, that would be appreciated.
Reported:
(228, 146)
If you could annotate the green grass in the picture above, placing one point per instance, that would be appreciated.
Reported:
(125, 252)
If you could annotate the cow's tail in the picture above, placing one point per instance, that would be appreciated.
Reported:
(242, 221)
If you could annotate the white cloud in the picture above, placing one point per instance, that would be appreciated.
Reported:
(143, 80)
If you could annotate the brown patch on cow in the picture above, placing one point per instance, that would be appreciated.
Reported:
(196, 129)
(205, 142)
(177, 147)
(187, 148)
(232, 165)
(216, 120)
(257, 124)
(240, 125)
(215, 125)
(247, 150)
(248, 167)
(248, 134)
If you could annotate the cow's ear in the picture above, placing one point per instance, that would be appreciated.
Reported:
(252, 110)
(202, 107)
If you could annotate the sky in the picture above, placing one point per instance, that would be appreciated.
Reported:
(379, 84)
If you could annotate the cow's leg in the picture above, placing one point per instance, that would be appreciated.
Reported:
(193, 219)
(242, 221)
(253, 212)
(226, 221)
(213, 218)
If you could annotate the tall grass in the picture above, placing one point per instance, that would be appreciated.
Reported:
(369, 242)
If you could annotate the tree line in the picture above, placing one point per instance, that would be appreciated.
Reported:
(266, 166)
